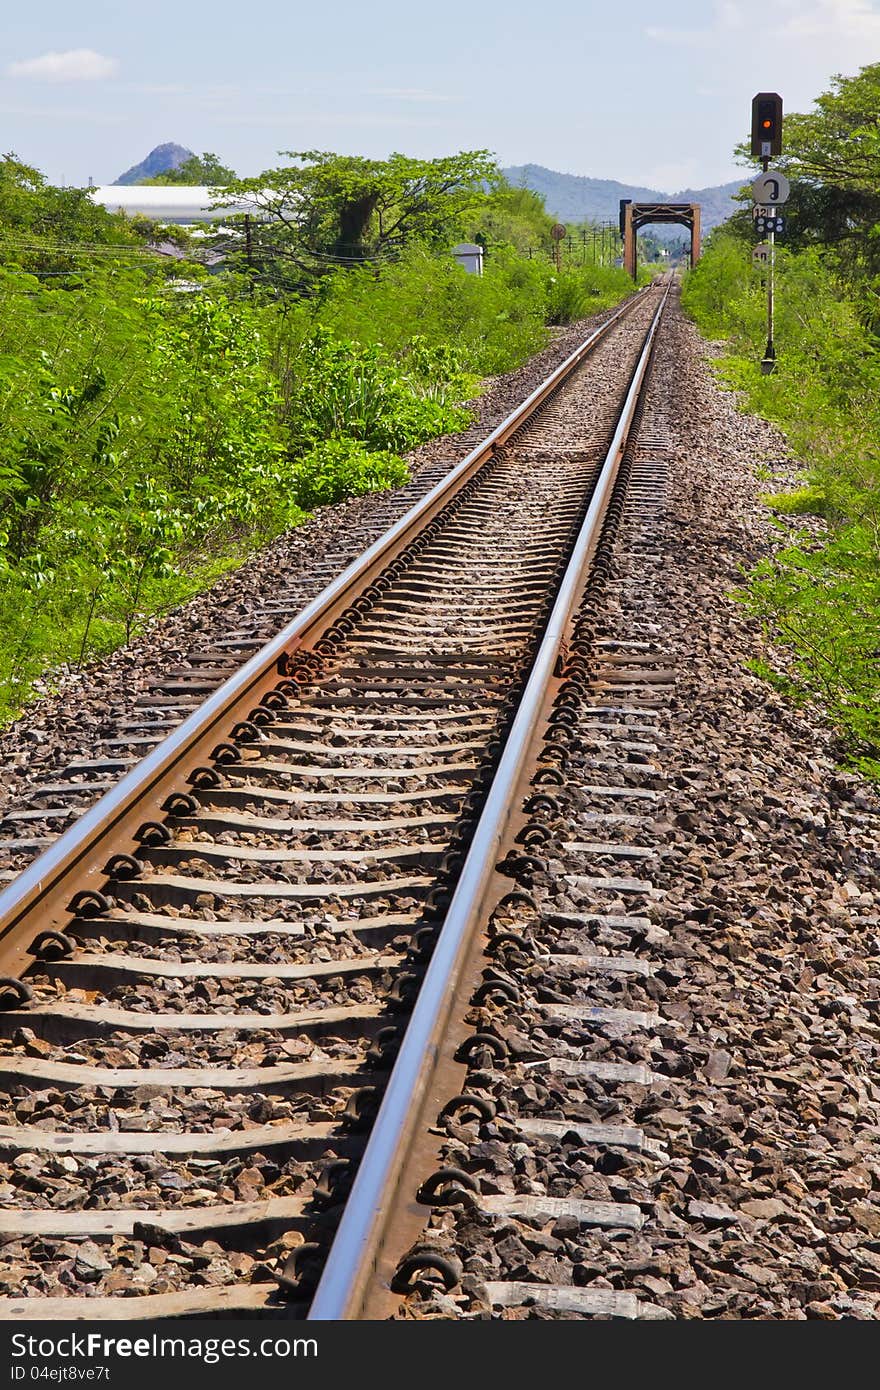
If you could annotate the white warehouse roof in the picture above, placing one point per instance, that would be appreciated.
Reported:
(172, 202)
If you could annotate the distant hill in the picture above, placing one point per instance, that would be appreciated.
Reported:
(572, 198)
(158, 161)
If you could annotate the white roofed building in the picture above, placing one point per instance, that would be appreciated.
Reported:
(172, 202)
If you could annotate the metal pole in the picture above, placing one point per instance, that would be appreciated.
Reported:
(768, 362)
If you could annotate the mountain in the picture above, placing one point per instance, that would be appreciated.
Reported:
(158, 161)
(572, 198)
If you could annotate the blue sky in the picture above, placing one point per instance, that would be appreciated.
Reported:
(647, 92)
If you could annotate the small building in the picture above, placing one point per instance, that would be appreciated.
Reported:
(470, 255)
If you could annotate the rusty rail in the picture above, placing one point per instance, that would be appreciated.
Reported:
(353, 1257)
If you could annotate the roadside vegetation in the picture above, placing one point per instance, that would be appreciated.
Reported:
(820, 594)
(162, 415)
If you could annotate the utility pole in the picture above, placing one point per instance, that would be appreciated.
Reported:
(248, 243)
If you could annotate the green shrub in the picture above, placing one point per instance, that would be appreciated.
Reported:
(802, 501)
(567, 298)
(336, 388)
(340, 468)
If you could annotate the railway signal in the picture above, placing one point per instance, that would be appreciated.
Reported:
(766, 124)
(769, 189)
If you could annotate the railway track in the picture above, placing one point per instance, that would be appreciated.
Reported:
(235, 991)
(44, 803)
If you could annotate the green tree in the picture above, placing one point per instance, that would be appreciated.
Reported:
(41, 224)
(513, 217)
(343, 208)
(203, 170)
(838, 143)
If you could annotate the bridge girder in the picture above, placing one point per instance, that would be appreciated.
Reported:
(633, 216)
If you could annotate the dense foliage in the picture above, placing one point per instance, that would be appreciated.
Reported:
(820, 594)
(54, 230)
(159, 420)
(323, 208)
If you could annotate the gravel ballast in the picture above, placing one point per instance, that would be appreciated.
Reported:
(743, 949)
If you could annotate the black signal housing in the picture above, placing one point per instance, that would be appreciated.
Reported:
(766, 124)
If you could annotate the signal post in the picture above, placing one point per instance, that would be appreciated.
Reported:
(769, 190)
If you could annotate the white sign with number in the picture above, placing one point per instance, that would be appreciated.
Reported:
(761, 253)
(772, 187)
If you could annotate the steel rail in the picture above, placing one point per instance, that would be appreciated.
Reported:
(40, 884)
(353, 1255)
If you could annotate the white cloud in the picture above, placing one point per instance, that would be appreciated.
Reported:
(730, 15)
(842, 19)
(74, 65)
(837, 19)
(312, 119)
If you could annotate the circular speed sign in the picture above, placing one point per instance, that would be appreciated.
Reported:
(772, 187)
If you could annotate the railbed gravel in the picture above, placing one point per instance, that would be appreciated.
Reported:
(761, 925)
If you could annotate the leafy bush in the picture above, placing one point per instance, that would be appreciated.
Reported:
(567, 298)
(337, 388)
(494, 321)
(340, 468)
(141, 443)
(802, 501)
(824, 602)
